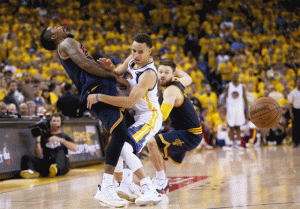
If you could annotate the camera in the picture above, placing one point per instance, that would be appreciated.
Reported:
(39, 128)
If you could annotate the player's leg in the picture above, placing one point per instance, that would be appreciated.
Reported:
(112, 118)
(149, 196)
(155, 154)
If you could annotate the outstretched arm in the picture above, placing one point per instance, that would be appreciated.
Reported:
(120, 70)
(146, 81)
(72, 48)
(184, 78)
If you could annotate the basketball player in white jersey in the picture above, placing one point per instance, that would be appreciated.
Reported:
(141, 73)
(235, 100)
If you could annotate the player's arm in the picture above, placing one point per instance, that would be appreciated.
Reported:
(245, 98)
(184, 78)
(121, 69)
(72, 48)
(226, 95)
(170, 95)
(146, 81)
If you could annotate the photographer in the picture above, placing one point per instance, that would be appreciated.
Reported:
(51, 152)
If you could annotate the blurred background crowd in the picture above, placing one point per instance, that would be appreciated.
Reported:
(210, 40)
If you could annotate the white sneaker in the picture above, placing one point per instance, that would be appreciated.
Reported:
(149, 196)
(160, 184)
(108, 197)
(129, 192)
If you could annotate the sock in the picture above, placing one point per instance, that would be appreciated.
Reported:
(161, 174)
(127, 176)
(107, 180)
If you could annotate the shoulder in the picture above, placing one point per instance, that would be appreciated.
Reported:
(148, 74)
(172, 90)
(68, 42)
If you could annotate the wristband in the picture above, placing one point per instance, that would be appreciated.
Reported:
(97, 98)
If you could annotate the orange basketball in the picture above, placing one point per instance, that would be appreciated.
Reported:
(265, 112)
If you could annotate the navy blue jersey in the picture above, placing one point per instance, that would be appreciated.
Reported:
(183, 117)
(85, 81)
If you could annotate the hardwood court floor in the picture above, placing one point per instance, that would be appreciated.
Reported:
(268, 177)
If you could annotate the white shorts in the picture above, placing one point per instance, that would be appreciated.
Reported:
(235, 116)
(146, 126)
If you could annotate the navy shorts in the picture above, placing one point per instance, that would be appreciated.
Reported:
(109, 115)
(175, 143)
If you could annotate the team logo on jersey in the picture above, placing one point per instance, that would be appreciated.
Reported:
(127, 75)
(235, 94)
(177, 142)
(85, 51)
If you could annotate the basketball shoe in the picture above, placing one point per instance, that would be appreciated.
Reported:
(149, 194)
(29, 174)
(129, 192)
(160, 184)
(108, 197)
(52, 170)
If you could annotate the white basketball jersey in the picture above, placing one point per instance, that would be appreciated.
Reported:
(149, 101)
(235, 95)
(235, 105)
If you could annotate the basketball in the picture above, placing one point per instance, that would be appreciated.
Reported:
(265, 112)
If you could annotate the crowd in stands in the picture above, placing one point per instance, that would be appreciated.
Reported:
(259, 39)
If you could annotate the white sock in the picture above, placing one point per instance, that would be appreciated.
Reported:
(127, 176)
(107, 180)
(161, 174)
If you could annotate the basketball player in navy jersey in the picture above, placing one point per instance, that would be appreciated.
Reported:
(187, 133)
(89, 77)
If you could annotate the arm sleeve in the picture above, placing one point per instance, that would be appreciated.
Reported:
(166, 110)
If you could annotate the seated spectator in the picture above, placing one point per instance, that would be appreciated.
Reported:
(222, 130)
(49, 100)
(68, 104)
(12, 110)
(41, 111)
(249, 132)
(23, 109)
(31, 108)
(276, 135)
(11, 96)
(3, 110)
(51, 152)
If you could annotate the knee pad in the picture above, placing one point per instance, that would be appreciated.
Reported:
(132, 161)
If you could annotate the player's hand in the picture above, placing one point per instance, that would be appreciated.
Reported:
(92, 99)
(106, 63)
(124, 84)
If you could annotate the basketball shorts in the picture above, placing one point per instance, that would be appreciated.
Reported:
(235, 116)
(109, 115)
(175, 143)
(145, 127)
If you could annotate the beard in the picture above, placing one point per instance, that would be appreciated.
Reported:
(166, 82)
